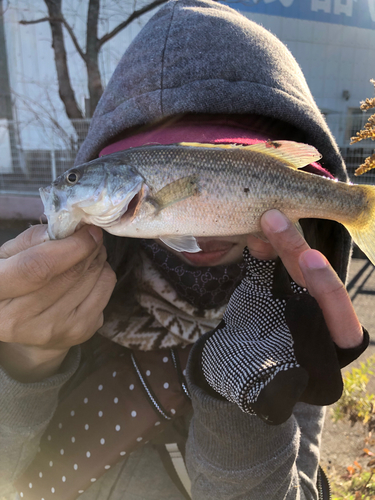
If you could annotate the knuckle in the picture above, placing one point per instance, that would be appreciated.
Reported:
(100, 322)
(109, 275)
(36, 267)
(298, 244)
(337, 290)
(75, 272)
(4, 253)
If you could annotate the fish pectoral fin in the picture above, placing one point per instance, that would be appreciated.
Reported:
(299, 228)
(260, 236)
(294, 154)
(181, 243)
(176, 191)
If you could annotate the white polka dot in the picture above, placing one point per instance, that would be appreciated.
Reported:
(50, 463)
(157, 423)
(131, 387)
(81, 491)
(165, 359)
(53, 489)
(72, 413)
(86, 401)
(133, 413)
(148, 373)
(115, 401)
(117, 427)
(61, 452)
(100, 413)
(122, 453)
(88, 454)
(184, 373)
(102, 441)
(87, 427)
(30, 485)
(60, 425)
(40, 474)
(93, 479)
(21, 494)
(75, 466)
(100, 387)
(173, 411)
(114, 374)
(139, 439)
(73, 439)
(166, 385)
(107, 467)
(49, 438)
(63, 479)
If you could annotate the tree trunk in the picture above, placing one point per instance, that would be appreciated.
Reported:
(95, 86)
(66, 91)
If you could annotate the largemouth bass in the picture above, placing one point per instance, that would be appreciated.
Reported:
(178, 192)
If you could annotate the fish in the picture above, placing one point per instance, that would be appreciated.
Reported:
(179, 192)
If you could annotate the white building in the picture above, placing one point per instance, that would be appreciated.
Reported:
(334, 43)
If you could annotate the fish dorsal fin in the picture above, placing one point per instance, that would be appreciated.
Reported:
(176, 191)
(181, 243)
(293, 154)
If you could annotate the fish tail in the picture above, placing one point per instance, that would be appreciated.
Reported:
(363, 231)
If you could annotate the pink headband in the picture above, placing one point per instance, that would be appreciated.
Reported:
(204, 133)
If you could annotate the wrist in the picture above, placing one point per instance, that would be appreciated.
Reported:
(29, 364)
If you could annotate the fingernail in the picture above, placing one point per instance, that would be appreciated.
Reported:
(314, 259)
(44, 235)
(96, 233)
(275, 221)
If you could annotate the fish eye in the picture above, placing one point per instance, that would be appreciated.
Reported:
(72, 177)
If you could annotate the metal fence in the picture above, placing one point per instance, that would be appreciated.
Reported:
(23, 171)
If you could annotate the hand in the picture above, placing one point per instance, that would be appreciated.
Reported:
(310, 269)
(273, 347)
(52, 297)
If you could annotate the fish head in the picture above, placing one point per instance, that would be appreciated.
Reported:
(98, 192)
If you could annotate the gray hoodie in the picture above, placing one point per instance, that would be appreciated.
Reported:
(196, 56)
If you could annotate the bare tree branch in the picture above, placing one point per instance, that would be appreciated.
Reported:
(59, 19)
(69, 29)
(66, 91)
(41, 20)
(132, 17)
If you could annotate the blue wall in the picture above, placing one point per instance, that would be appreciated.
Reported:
(358, 13)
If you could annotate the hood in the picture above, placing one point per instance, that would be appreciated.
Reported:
(200, 56)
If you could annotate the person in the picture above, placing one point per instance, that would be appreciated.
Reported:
(198, 72)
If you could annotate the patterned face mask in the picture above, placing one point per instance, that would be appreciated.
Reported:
(202, 287)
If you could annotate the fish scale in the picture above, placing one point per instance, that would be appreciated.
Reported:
(179, 192)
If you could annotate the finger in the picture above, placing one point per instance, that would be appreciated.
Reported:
(74, 285)
(33, 268)
(82, 287)
(260, 249)
(100, 294)
(35, 235)
(330, 293)
(88, 317)
(286, 240)
(55, 326)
